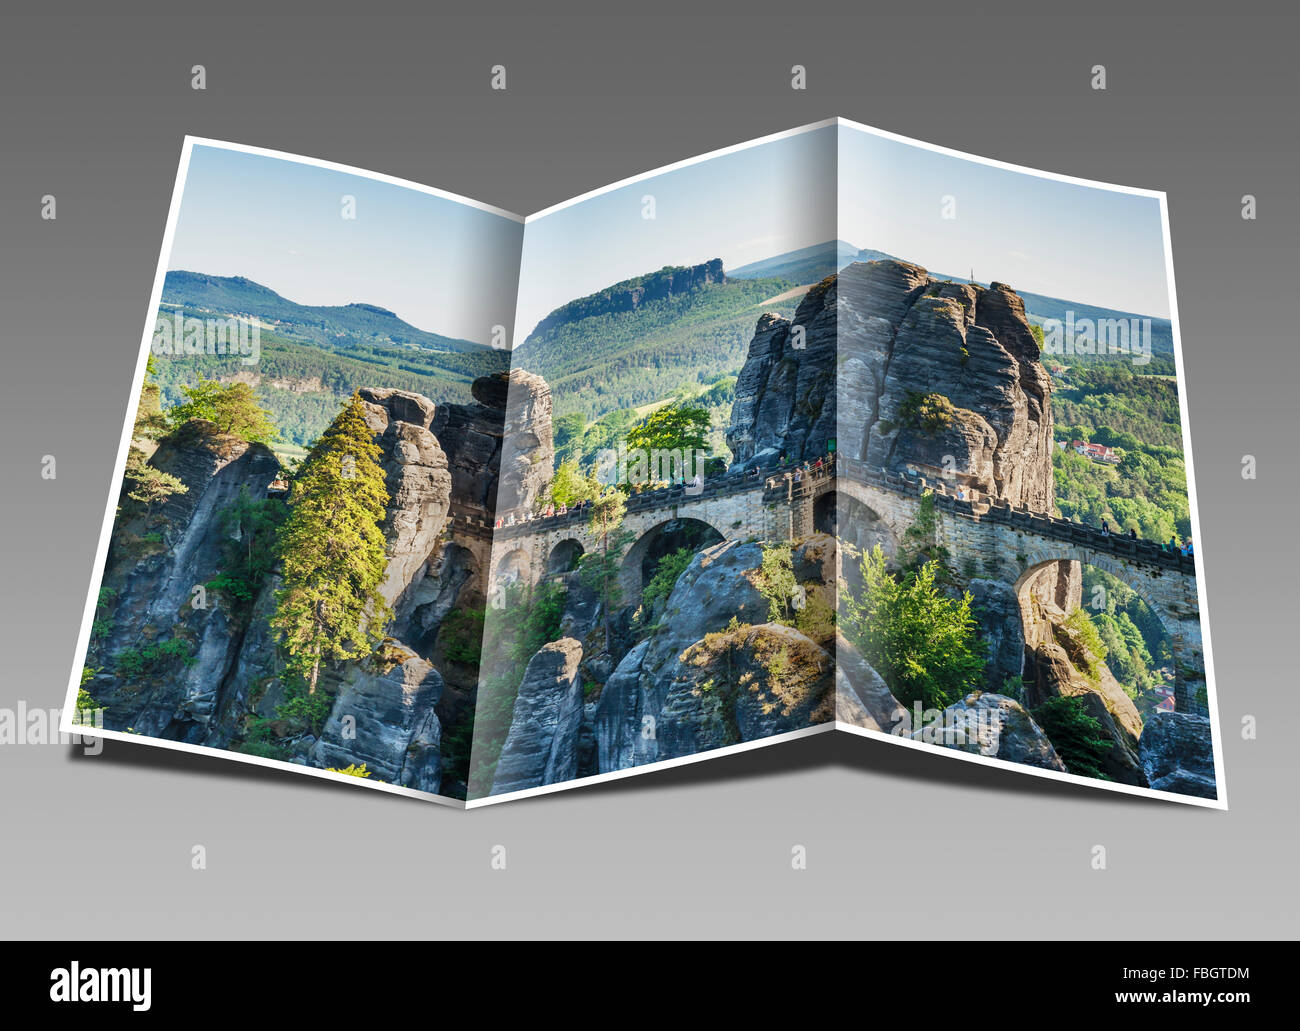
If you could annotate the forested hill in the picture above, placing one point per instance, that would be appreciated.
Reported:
(334, 326)
(642, 339)
(812, 264)
(312, 358)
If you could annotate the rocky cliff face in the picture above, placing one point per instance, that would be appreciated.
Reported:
(153, 591)
(903, 371)
(1177, 753)
(785, 393)
(542, 745)
(528, 449)
(1057, 664)
(384, 714)
(439, 461)
(703, 681)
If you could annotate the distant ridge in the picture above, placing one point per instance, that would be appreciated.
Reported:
(332, 326)
(637, 340)
(805, 265)
(813, 264)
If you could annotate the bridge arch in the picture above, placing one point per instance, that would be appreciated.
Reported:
(1031, 586)
(513, 567)
(658, 541)
(861, 515)
(564, 556)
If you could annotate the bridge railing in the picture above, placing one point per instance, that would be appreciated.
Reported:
(780, 486)
(997, 510)
(646, 500)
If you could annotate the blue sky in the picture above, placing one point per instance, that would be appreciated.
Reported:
(443, 266)
(1077, 243)
(740, 207)
(450, 268)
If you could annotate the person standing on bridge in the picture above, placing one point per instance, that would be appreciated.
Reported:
(1105, 528)
(1133, 534)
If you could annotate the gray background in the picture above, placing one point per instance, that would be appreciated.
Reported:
(93, 109)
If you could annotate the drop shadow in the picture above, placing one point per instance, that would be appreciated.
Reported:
(864, 756)
(833, 750)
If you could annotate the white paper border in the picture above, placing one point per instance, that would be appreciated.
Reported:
(65, 723)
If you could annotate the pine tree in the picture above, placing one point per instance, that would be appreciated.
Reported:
(141, 482)
(333, 557)
(600, 569)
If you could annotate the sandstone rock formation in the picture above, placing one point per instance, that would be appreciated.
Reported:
(440, 462)
(542, 744)
(1177, 751)
(862, 698)
(152, 584)
(389, 704)
(528, 450)
(904, 372)
(1057, 662)
(785, 393)
(703, 681)
(996, 727)
(418, 481)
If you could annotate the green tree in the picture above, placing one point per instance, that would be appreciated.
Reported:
(666, 574)
(922, 643)
(1077, 737)
(600, 569)
(141, 482)
(569, 486)
(250, 546)
(147, 485)
(674, 427)
(333, 551)
(232, 407)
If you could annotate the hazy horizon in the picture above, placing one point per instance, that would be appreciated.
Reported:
(441, 265)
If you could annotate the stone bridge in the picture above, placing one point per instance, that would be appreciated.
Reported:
(983, 537)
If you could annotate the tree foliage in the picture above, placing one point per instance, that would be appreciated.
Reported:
(1077, 737)
(333, 550)
(921, 642)
(232, 407)
(143, 484)
(250, 546)
(674, 427)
